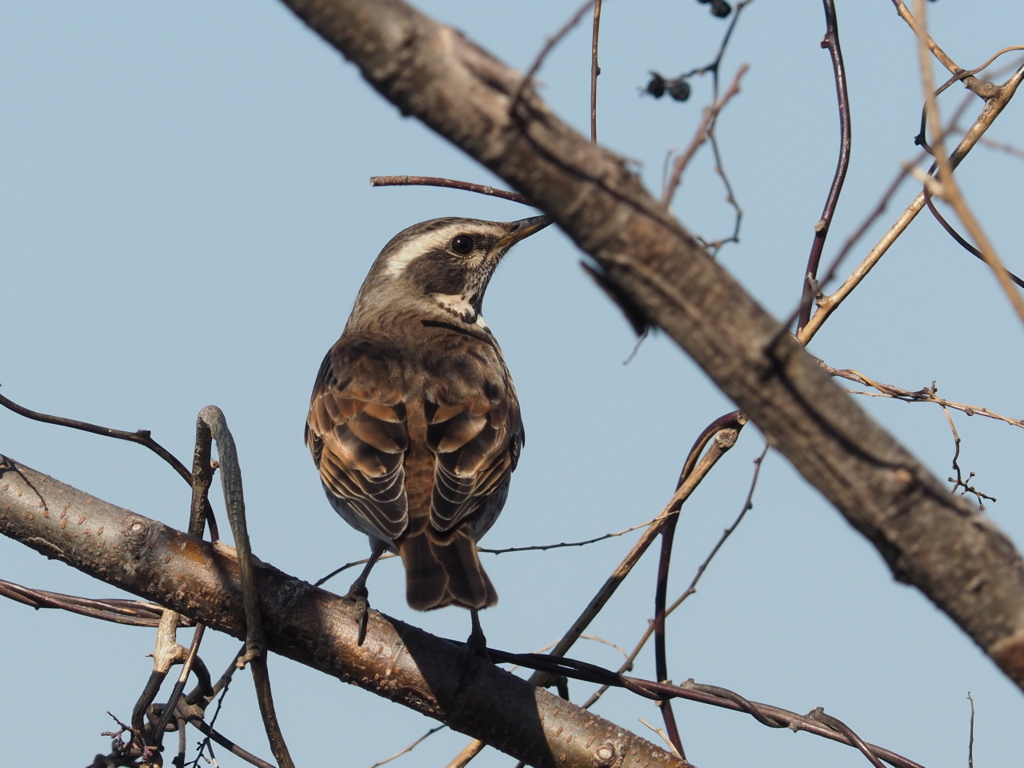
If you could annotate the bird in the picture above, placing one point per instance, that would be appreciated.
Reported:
(414, 423)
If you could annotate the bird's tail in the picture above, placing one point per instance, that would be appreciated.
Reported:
(442, 571)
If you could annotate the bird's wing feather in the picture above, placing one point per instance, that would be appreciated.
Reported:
(358, 437)
(476, 445)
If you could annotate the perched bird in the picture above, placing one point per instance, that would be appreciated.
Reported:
(414, 422)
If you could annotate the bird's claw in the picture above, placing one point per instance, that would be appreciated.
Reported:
(477, 646)
(361, 597)
(477, 642)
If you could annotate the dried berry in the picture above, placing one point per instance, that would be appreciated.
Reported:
(720, 8)
(656, 87)
(678, 89)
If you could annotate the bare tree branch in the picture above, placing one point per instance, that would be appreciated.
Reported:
(831, 43)
(433, 181)
(929, 538)
(311, 626)
(994, 106)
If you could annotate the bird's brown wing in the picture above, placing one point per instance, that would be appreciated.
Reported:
(357, 432)
(476, 445)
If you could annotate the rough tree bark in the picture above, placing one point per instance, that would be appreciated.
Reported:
(314, 627)
(931, 539)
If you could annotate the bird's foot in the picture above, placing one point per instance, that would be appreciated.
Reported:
(473, 652)
(361, 596)
(477, 643)
(476, 646)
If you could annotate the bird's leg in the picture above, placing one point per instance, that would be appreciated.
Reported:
(360, 593)
(473, 652)
(477, 643)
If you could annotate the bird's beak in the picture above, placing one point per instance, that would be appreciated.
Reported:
(522, 229)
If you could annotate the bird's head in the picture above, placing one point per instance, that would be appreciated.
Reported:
(442, 266)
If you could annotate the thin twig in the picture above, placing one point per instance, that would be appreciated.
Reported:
(218, 693)
(831, 42)
(748, 504)
(228, 744)
(466, 754)
(852, 738)
(700, 136)
(595, 70)
(951, 231)
(923, 395)
(141, 436)
(664, 737)
(406, 750)
(660, 638)
(545, 547)
(212, 424)
(730, 195)
(135, 613)
(323, 580)
(436, 181)
(179, 686)
(1001, 146)
(950, 188)
(719, 437)
(708, 131)
(549, 44)
(774, 717)
(970, 740)
(959, 481)
(979, 87)
(827, 305)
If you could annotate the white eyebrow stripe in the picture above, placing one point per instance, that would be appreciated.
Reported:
(416, 247)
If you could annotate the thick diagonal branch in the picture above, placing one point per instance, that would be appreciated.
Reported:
(201, 580)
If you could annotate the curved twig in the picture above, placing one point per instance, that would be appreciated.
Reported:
(212, 424)
(831, 42)
(595, 69)
(951, 231)
(771, 716)
(923, 395)
(720, 436)
(748, 504)
(134, 613)
(827, 305)
(701, 135)
(436, 181)
(549, 44)
(141, 437)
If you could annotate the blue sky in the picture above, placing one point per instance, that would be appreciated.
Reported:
(185, 217)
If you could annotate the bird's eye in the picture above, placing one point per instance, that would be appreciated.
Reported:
(463, 245)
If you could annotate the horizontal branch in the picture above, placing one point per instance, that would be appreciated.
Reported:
(929, 538)
(314, 627)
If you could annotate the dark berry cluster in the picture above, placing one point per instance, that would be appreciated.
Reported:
(719, 8)
(677, 87)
